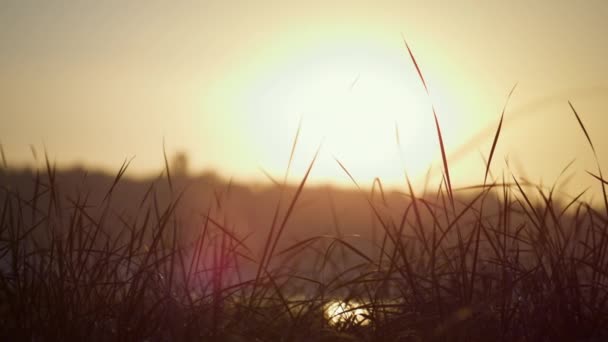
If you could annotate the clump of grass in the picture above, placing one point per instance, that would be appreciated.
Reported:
(473, 264)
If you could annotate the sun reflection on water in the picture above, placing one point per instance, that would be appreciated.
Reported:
(340, 312)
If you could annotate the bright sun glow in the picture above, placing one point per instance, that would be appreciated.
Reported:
(350, 96)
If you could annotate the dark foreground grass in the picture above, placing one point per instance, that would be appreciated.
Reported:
(506, 262)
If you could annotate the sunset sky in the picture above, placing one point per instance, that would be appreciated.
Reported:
(228, 81)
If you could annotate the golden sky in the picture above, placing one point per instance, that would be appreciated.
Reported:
(228, 82)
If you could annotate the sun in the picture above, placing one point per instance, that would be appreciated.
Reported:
(357, 98)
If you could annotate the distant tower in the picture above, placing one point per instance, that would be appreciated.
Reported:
(180, 164)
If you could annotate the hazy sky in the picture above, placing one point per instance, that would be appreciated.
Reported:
(228, 82)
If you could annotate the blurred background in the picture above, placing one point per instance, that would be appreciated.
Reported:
(227, 83)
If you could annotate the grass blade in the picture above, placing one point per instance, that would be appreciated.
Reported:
(502, 115)
(167, 166)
